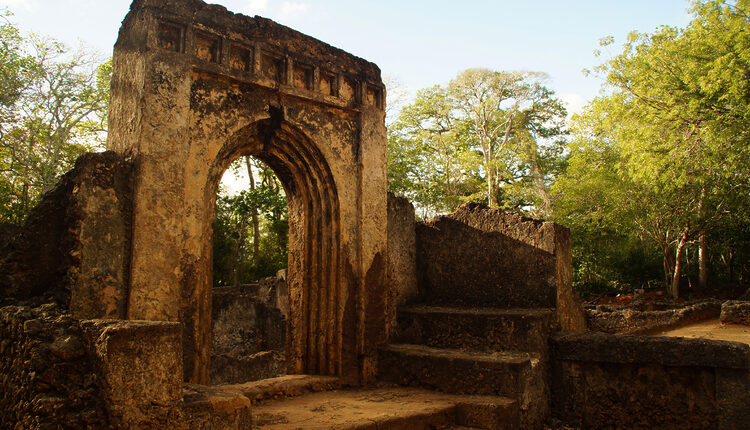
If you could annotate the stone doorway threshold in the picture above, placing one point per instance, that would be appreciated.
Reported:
(315, 402)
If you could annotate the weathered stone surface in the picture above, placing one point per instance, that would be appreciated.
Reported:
(667, 351)
(402, 260)
(75, 245)
(386, 408)
(478, 329)
(480, 256)
(140, 366)
(633, 321)
(601, 380)
(248, 336)
(735, 312)
(288, 386)
(194, 87)
(46, 378)
(216, 408)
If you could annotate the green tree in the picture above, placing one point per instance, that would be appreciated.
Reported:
(670, 136)
(250, 228)
(54, 108)
(502, 129)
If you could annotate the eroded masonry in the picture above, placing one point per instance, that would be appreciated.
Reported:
(110, 319)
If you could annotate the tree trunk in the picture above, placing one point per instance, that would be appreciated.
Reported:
(675, 287)
(702, 255)
(237, 254)
(254, 217)
(490, 175)
(702, 262)
(667, 264)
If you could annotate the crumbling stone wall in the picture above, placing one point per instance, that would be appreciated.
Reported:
(46, 378)
(485, 257)
(635, 320)
(735, 312)
(617, 381)
(74, 248)
(402, 259)
(248, 334)
(139, 371)
(401, 273)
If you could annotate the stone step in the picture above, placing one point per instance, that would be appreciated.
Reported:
(287, 386)
(456, 371)
(215, 407)
(475, 329)
(385, 408)
(517, 375)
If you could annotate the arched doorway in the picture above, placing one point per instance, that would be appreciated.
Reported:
(195, 86)
(313, 278)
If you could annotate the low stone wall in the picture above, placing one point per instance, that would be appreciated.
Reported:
(611, 319)
(75, 246)
(735, 312)
(616, 381)
(248, 335)
(46, 378)
(402, 263)
(478, 256)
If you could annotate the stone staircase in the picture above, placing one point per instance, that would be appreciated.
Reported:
(317, 402)
(474, 351)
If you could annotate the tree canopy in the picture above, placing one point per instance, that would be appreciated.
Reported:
(663, 156)
(490, 135)
(53, 108)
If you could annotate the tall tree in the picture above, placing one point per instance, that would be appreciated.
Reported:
(675, 121)
(53, 111)
(500, 128)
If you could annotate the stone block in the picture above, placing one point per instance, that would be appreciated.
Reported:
(735, 312)
(139, 364)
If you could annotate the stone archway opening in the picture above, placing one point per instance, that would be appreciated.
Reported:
(250, 298)
(311, 312)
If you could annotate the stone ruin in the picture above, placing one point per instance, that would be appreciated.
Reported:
(110, 319)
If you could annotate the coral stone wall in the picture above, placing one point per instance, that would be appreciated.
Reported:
(402, 260)
(485, 257)
(248, 336)
(46, 378)
(735, 312)
(75, 246)
(618, 381)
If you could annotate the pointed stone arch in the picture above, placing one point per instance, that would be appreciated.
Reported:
(194, 87)
(314, 276)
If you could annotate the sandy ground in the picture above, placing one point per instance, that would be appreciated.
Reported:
(712, 329)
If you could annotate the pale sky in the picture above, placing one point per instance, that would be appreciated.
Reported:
(420, 43)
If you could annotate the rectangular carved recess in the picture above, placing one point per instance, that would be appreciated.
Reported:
(303, 76)
(207, 47)
(327, 83)
(170, 36)
(348, 90)
(374, 96)
(272, 67)
(241, 58)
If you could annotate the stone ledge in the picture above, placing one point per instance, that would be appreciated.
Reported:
(735, 312)
(625, 349)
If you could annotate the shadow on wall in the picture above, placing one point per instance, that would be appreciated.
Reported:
(480, 268)
(249, 331)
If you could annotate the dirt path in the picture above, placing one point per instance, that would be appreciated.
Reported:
(712, 329)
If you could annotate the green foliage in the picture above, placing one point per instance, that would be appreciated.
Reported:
(486, 135)
(663, 158)
(53, 108)
(234, 259)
